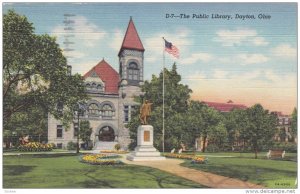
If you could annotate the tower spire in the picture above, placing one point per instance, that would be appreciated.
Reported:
(131, 39)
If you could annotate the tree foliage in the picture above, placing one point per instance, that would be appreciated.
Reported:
(206, 122)
(294, 122)
(176, 105)
(85, 131)
(186, 120)
(260, 129)
(236, 123)
(35, 73)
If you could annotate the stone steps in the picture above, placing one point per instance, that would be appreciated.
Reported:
(105, 145)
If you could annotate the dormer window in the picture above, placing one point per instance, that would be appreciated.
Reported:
(99, 87)
(94, 85)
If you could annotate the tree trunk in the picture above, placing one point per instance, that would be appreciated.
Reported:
(7, 144)
(255, 153)
(204, 142)
(196, 146)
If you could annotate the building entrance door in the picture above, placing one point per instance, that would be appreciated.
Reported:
(106, 134)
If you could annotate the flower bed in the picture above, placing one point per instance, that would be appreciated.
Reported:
(114, 151)
(100, 159)
(180, 156)
(35, 147)
(195, 159)
(199, 160)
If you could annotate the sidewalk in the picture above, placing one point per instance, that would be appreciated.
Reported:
(203, 178)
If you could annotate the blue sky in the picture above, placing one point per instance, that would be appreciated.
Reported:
(248, 61)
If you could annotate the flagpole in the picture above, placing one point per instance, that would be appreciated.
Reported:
(163, 131)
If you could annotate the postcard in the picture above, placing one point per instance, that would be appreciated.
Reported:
(150, 95)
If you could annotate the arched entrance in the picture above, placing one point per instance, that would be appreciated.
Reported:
(106, 133)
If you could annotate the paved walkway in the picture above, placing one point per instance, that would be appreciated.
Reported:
(203, 178)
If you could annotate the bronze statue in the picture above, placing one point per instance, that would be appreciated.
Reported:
(145, 111)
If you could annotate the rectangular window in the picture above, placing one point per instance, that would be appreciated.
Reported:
(133, 108)
(126, 114)
(135, 74)
(130, 72)
(59, 131)
(75, 129)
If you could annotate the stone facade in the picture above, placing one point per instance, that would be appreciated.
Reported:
(111, 98)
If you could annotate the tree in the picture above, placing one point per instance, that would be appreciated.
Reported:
(294, 123)
(219, 135)
(211, 122)
(35, 73)
(195, 120)
(206, 121)
(85, 131)
(177, 97)
(236, 123)
(33, 121)
(260, 128)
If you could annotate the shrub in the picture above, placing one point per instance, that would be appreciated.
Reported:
(35, 147)
(71, 145)
(287, 146)
(212, 148)
(53, 145)
(117, 147)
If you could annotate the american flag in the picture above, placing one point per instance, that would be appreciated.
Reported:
(170, 48)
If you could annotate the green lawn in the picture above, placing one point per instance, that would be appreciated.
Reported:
(261, 155)
(269, 173)
(53, 171)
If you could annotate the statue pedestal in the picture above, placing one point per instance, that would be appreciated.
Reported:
(144, 150)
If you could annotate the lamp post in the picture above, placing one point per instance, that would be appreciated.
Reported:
(79, 110)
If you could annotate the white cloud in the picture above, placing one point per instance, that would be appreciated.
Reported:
(195, 76)
(195, 57)
(260, 41)
(239, 36)
(285, 51)
(220, 74)
(85, 32)
(244, 59)
(74, 54)
(83, 67)
(117, 38)
(155, 45)
(247, 59)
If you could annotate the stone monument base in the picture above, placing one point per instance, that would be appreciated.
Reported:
(145, 150)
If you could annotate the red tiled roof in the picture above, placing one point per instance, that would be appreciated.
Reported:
(108, 75)
(131, 39)
(225, 107)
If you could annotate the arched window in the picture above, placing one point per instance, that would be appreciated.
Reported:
(99, 87)
(93, 109)
(133, 71)
(107, 111)
(94, 85)
(88, 85)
